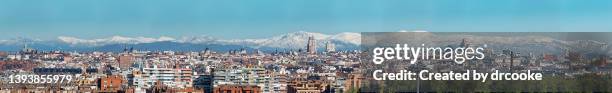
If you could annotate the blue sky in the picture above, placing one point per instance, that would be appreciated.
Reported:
(48, 19)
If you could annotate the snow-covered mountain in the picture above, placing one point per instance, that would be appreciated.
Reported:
(295, 40)
(111, 40)
(289, 41)
(298, 40)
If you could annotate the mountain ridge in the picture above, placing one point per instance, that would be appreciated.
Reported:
(289, 41)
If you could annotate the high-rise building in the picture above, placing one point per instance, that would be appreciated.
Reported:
(330, 47)
(110, 83)
(268, 82)
(173, 77)
(465, 43)
(311, 47)
(125, 61)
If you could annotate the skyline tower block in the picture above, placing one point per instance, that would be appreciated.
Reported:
(311, 47)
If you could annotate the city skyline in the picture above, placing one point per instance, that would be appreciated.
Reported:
(583, 62)
(311, 46)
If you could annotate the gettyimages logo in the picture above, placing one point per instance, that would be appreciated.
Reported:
(413, 54)
(478, 59)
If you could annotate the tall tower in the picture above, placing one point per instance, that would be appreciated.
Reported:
(465, 43)
(26, 49)
(311, 47)
(330, 47)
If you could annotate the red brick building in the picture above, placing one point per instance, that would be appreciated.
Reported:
(237, 89)
(125, 61)
(110, 83)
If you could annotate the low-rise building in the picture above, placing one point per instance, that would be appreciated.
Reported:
(237, 89)
(110, 83)
(173, 77)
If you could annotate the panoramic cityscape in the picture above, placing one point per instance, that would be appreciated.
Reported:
(313, 68)
(305, 46)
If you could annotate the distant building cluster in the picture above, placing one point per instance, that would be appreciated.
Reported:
(132, 71)
(254, 71)
(575, 58)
